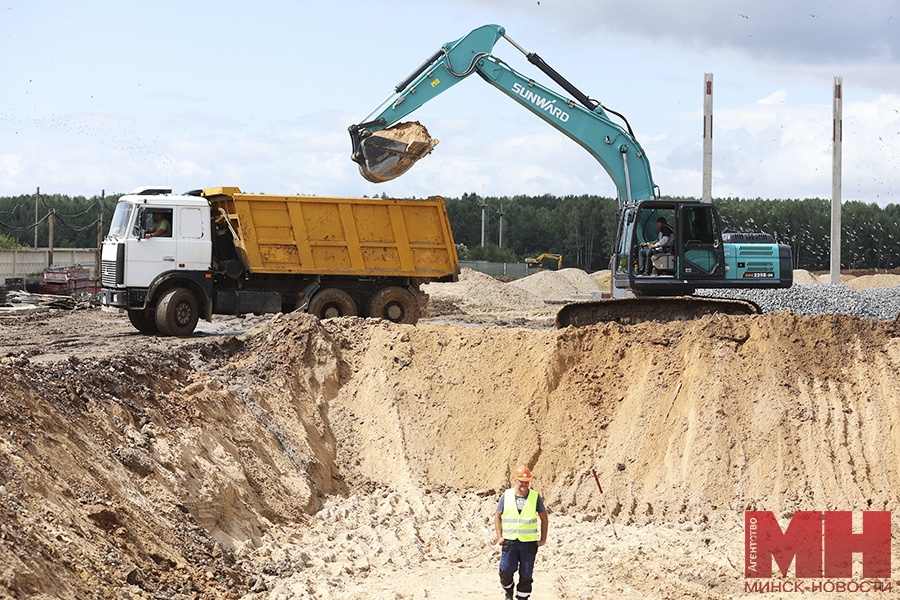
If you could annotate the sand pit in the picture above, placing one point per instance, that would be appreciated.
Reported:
(357, 458)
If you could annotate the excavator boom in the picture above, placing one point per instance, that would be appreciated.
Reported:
(385, 151)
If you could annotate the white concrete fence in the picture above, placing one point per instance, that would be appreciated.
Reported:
(22, 263)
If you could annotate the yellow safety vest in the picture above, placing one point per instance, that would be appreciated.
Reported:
(520, 526)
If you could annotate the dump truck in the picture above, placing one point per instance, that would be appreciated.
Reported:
(169, 260)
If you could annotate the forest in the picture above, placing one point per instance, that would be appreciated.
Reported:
(580, 228)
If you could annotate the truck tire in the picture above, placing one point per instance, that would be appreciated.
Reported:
(332, 302)
(177, 312)
(394, 304)
(143, 322)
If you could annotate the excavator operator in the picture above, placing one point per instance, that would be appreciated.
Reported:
(645, 256)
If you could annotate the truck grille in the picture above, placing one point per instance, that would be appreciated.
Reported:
(108, 273)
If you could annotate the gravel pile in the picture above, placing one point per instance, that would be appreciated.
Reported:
(882, 304)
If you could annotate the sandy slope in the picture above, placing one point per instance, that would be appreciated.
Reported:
(356, 458)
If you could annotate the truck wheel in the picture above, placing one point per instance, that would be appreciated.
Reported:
(332, 302)
(394, 304)
(143, 322)
(177, 312)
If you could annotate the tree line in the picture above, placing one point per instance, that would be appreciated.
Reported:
(75, 220)
(580, 228)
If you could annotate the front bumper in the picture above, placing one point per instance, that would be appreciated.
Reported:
(114, 298)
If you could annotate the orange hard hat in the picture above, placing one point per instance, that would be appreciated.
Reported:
(522, 473)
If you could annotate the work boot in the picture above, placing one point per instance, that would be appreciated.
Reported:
(508, 593)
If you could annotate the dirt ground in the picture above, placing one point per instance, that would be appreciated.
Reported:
(287, 457)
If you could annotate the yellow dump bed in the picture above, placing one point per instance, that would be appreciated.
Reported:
(338, 236)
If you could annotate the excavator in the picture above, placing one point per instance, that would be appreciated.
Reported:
(699, 255)
(537, 262)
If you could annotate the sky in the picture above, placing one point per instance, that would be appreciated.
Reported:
(194, 94)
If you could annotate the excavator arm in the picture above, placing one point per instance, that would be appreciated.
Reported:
(385, 150)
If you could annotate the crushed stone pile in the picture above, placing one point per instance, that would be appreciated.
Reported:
(536, 298)
(818, 299)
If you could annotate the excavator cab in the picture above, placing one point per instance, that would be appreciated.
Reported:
(695, 257)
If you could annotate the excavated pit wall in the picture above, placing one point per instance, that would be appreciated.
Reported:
(187, 459)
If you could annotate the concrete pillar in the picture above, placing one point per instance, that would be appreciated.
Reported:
(707, 136)
(837, 142)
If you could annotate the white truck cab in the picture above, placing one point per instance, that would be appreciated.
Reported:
(134, 263)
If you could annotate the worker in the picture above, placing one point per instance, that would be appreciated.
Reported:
(160, 226)
(648, 249)
(516, 524)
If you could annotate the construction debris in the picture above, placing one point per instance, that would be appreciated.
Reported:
(19, 301)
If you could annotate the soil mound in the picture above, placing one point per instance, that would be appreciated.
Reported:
(804, 277)
(880, 280)
(557, 285)
(478, 297)
(603, 279)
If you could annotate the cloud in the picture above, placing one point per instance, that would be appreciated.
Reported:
(807, 32)
(776, 98)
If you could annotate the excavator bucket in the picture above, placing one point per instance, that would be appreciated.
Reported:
(389, 153)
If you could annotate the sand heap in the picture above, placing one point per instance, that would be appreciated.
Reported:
(559, 285)
(880, 280)
(482, 297)
(535, 298)
(860, 283)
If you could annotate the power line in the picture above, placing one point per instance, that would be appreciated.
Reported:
(29, 227)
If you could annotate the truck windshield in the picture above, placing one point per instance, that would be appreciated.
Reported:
(120, 219)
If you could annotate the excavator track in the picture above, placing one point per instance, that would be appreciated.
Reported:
(661, 309)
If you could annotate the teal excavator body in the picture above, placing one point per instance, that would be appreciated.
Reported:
(698, 256)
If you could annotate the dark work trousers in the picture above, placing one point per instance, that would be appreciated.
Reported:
(518, 556)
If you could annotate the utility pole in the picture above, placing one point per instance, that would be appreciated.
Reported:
(483, 206)
(100, 220)
(37, 196)
(100, 232)
(707, 137)
(52, 219)
(837, 143)
(501, 213)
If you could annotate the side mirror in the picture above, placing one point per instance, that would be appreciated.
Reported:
(139, 225)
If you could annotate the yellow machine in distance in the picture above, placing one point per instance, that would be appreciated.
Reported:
(537, 262)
